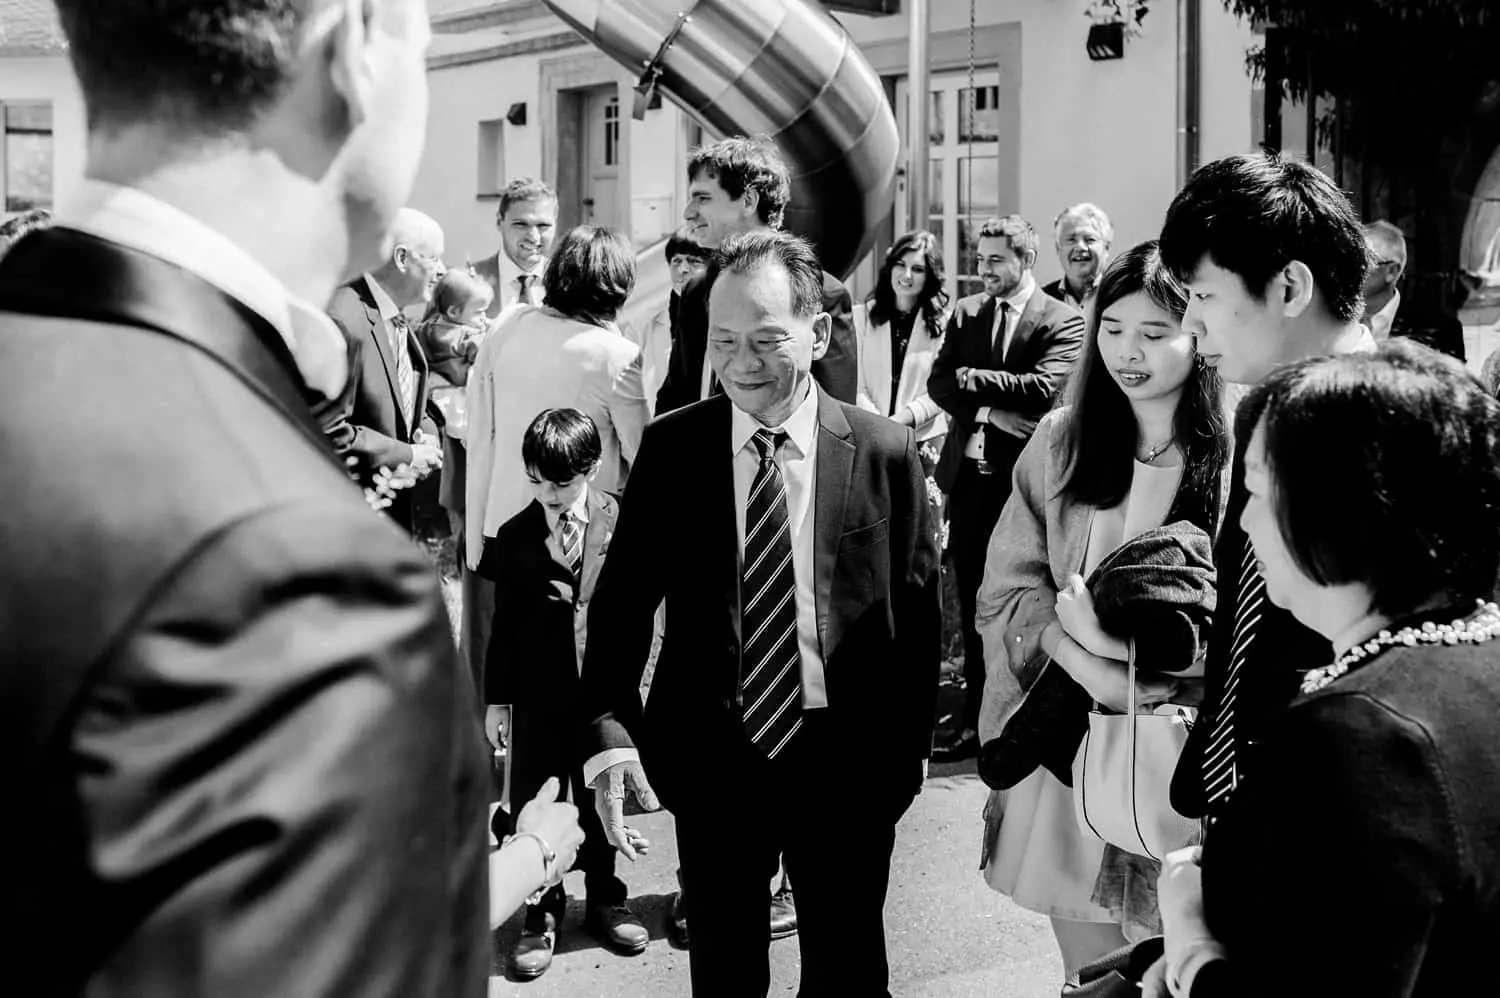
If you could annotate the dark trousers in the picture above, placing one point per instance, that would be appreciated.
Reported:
(974, 506)
(834, 825)
(541, 748)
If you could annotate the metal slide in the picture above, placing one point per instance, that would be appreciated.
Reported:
(783, 68)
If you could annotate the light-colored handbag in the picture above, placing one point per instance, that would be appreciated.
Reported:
(1122, 778)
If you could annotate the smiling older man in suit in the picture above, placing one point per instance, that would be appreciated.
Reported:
(799, 664)
(1005, 357)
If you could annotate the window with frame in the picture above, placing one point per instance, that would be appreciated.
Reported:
(26, 150)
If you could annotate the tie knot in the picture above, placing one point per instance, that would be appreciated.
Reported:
(525, 282)
(400, 323)
(768, 442)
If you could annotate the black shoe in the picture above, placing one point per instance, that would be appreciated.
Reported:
(964, 746)
(677, 928)
(617, 927)
(532, 953)
(783, 914)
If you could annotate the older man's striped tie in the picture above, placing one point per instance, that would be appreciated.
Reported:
(772, 688)
(1220, 765)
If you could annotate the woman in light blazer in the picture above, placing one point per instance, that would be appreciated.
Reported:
(899, 329)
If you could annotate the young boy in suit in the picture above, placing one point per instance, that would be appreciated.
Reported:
(544, 562)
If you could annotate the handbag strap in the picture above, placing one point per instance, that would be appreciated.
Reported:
(1130, 701)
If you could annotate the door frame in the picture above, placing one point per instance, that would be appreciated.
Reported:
(563, 82)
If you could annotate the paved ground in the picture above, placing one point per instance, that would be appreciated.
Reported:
(949, 935)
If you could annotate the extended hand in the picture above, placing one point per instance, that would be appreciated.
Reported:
(1075, 611)
(1013, 423)
(556, 822)
(609, 802)
(425, 458)
(1108, 681)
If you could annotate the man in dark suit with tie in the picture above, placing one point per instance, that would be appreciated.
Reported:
(239, 754)
(799, 664)
(742, 185)
(1005, 357)
(380, 426)
(1274, 261)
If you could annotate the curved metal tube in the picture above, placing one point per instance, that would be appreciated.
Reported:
(779, 67)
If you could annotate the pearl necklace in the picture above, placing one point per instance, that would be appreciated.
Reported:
(1479, 627)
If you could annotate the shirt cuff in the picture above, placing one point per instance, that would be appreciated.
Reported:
(610, 757)
(982, 415)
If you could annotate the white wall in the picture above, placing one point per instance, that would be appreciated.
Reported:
(1102, 131)
(51, 78)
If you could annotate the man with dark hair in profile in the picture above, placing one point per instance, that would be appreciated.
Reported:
(1274, 260)
(242, 757)
(795, 556)
(742, 185)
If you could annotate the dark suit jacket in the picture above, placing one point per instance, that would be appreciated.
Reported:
(876, 590)
(1043, 350)
(1443, 333)
(535, 647)
(371, 427)
(237, 738)
(837, 372)
(1393, 769)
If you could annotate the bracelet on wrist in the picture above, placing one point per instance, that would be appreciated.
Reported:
(549, 862)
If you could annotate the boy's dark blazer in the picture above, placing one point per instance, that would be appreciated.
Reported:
(875, 580)
(536, 644)
(240, 755)
(1027, 380)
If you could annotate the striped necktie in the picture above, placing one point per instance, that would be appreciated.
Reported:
(772, 688)
(1220, 769)
(570, 538)
(406, 375)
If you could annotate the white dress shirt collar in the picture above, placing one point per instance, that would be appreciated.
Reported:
(1018, 300)
(801, 427)
(1380, 323)
(384, 303)
(510, 273)
(579, 509)
(142, 222)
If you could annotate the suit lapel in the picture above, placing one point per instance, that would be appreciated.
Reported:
(916, 349)
(132, 288)
(1027, 325)
(601, 527)
(834, 464)
(719, 470)
(382, 341)
(878, 363)
(984, 325)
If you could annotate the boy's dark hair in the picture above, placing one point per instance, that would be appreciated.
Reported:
(1253, 214)
(591, 274)
(740, 164)
(212, 64)
(682, 244)
(520, 190)
(746, 251)
(560, 445)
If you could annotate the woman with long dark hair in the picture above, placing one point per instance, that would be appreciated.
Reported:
(1140, 443)
(900, 328)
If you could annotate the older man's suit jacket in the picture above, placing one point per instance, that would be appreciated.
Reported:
(372, 427)
(231, 714)
(875, 570)
(837, 372)
(1026, 380)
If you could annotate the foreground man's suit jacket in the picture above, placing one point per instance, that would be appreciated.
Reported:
(875, 582)
(230, 708)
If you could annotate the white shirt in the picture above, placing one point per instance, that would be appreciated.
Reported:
(510, 282)
(1380, 323)
(142, 222)
(797, 458)
(1011, 317)
(579, 511)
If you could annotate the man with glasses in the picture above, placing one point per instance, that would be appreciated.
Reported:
(379, 424)
(1386, 314)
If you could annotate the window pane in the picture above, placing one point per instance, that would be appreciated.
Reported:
(935, 187)
(28, 171)
(28, 118)
(981, 178)
(936, 129)
(986, 120)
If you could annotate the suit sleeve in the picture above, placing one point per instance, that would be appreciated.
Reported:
(1350, 773)
(680, 387)
(1032, 393)
(942, 382)
(370, 449)
(859, 318)
(838, 369)
(1017, 596)
(627, 406)
(916, 601)
(502, 659)
(285, 771)
(622, 613)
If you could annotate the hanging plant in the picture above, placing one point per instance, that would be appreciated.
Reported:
(1130, 13)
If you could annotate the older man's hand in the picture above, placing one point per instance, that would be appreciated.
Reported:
(609, 801)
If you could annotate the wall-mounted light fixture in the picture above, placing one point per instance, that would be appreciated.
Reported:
(517, 113)
(1106, 41)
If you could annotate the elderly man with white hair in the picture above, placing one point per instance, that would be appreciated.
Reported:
(379, 423)
(1082, 235)
(1385, 313)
